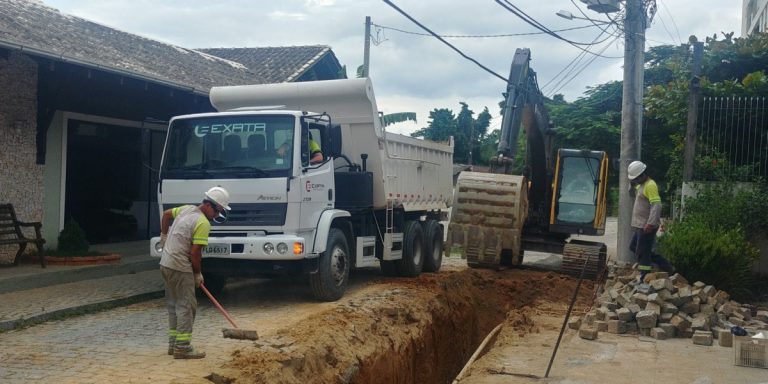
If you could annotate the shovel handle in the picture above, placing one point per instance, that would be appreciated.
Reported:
(218, 306)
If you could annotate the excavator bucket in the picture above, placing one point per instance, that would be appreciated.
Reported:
(489, 211)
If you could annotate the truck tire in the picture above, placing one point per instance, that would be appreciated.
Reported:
(330, 281)
(433, 246)
(214, 283)
(413, 250)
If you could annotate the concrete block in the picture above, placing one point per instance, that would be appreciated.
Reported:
(589, 318)
(646, 319)
(644, 331)
(601, 325)
(656, 276)
(659, 284)
(745, 313)
(725, 309)
(640, 299)
(654, 298)
(611, 316)
(699, 285)
(611, 306)
(737, 321)
(574, 323)
(680, 322)
(722, 297)
(658, 333)
(602, 313)
(632, 327)
(588, 333)
(623, 299)
(724, 338)
(702, 338)
(709, 290)
(652, 306)
(669, 330)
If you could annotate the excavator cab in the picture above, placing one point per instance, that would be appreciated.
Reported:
(579, 192)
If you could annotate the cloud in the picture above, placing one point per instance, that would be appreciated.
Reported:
(287, 16)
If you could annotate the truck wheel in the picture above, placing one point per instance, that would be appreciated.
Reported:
(413, 250)
(214, 283)
(434, 246)
(330, 280)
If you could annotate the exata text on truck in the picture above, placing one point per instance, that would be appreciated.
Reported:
(373, 198)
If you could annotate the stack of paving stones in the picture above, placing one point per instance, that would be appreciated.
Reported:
(664, 306)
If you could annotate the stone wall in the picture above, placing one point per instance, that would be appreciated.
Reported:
(21, 179)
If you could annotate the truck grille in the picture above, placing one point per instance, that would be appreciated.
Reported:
(256, 214)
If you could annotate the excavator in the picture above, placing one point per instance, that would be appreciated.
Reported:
(497, 216)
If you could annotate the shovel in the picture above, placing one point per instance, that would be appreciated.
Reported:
(231, 333)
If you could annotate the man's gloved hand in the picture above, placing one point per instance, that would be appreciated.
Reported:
(198, 279)
(163, 238)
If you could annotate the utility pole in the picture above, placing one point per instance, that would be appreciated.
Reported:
(631, 120)
(694, 98)
(367, 48)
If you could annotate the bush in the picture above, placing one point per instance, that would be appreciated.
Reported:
(712, 242)
(711, 254)
(72, 239)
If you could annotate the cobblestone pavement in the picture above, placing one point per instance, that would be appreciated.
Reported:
(129, 344)
(39, 304)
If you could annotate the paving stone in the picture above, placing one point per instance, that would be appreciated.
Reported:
(646, 319)
(658, 333)
(669, 329)
(665, 295)
(709, 290)
(669, 308)
(706, 309)
(666, 317)
(644, 289)
(678, 280)
(602, 313)
(644, 331)
(699, 284)
(724, 338)
(680, 322)
(588, 333)
(652, 306)
(624, 314)
(634, 308)
(574, 323)
(690, 307)
(617, 326)
(601, 325)
(685, 333)
(702, 338)
(589, 318)
(700, 324)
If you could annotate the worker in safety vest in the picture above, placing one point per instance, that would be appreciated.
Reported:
(646, 219)
(183, 235)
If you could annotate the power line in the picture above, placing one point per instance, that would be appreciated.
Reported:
(585, 66)
(525, 17)
(388, 2)
(663, 4)
(481, 36)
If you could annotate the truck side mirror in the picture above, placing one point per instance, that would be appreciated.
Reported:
(334, 140)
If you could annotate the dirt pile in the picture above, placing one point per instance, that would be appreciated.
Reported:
(664, 306)
(406, 330)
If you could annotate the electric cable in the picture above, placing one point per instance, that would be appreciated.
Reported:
(482, 36)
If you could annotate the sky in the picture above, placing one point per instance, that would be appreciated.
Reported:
(410, 72)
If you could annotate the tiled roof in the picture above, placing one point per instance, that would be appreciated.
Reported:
(39, 30)
(274, 64)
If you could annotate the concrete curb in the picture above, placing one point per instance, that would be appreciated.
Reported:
(8, 325)
(21, 283)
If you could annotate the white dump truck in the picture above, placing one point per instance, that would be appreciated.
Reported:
(375, 199)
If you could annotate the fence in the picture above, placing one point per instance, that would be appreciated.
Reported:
(732, 139)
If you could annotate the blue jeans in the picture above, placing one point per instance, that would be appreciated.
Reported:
(641, 245)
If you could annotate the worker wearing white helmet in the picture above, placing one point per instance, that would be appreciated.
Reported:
(646, 219)
(183, 235)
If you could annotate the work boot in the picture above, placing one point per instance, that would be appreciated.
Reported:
(171, 345)
(186, 351)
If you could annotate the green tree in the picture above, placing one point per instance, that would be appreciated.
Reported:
(466, 131)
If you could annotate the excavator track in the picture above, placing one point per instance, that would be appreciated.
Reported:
(489, 211)
(576, 252)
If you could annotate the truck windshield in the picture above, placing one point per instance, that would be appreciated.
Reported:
(229, 147)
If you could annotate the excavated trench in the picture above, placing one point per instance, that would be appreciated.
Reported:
(408, 331)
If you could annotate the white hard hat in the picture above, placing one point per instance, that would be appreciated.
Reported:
(219, 196)
(635, 169)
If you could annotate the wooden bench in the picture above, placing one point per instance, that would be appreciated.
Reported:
(10, 233)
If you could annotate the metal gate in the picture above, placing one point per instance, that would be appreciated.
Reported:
(732, 139)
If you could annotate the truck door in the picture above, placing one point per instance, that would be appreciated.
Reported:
(315, 181)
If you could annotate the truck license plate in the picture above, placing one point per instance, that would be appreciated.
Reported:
(216, 249)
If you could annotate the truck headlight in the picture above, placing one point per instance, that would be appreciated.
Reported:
(268, 248)
(282, 248)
